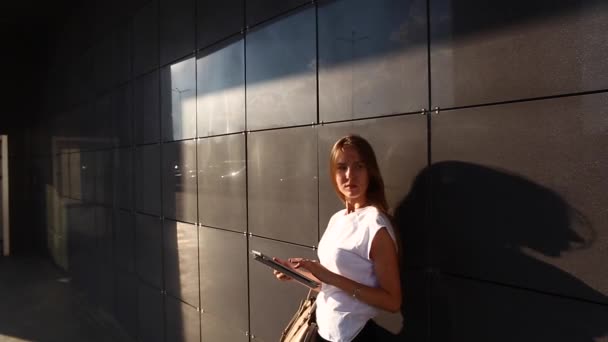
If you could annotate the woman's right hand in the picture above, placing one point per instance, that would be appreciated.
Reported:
(280, 275)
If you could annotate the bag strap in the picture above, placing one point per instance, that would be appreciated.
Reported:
(309, 294)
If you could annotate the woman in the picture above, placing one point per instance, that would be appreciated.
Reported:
(358, 263)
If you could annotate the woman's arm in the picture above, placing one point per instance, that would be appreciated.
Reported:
(387, 295)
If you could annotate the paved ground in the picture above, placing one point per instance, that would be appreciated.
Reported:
(38, 303)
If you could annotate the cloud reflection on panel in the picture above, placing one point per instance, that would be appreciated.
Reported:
(220, 79)
(281, 72)
(372, 58)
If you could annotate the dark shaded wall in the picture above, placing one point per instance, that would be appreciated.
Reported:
(174, 136)
(19, 109)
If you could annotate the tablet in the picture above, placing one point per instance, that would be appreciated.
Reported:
(266, 260)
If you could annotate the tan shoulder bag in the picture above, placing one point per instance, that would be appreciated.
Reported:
(302, 327)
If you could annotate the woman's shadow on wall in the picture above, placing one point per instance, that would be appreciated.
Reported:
(472, 241)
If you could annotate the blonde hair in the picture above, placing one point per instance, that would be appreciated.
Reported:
(375, 189)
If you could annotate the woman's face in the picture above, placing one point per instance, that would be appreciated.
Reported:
(351, 175)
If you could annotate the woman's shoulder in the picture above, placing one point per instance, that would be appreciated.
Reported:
(372, 211)
(373, 214)
(375, 219)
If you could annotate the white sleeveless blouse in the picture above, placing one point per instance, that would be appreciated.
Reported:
(344, 249)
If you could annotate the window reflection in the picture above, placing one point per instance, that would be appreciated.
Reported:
(178, 100)
(221, 90)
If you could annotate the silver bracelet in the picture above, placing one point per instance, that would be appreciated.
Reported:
(356, 292)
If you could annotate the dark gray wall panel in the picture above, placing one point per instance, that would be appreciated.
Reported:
(100, 76)
(148, 242)
(104, 233)
(260, 10)
(63, 178)
(87, 128)
(511, 314)
(372, 58)
(400, 144)
(147, 179)
(104, 221)
(76, 238)
(178, 100)
(220, 75)
(106, 287)
(124, 178)
(214, 329)
(82, 245)
(125, 301)
(182, 321)
(268, 321)
(82, 87)
(222, 183)
(176, 29)
(77, 176)
(102, 121)
(90, 175)
(122, 107)
(150, 310)
(180, 254)
(487, 52)
(147, 109)
(224, 293)
(121, 41)
(145, 38)
(124, 241)
(103, 70)
(99, 125)
(520, 193)
(179, 180)
(218, 20)
(70, 172)
(281, 72)
(104, 177)
(282, 184)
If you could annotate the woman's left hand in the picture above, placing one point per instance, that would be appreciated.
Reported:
(314, 267)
